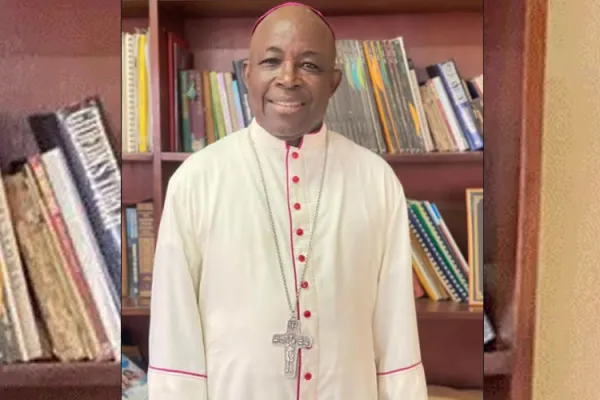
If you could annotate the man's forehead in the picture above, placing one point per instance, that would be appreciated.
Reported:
(290, 10)
(293, 23)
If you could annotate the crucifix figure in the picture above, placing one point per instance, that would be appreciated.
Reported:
(292, 340)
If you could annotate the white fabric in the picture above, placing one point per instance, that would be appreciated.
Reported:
(218, 298)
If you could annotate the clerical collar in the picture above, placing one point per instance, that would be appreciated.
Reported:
(264, 139)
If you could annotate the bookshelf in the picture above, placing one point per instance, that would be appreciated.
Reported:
(514, 33)
(53, 55)
(219, 32)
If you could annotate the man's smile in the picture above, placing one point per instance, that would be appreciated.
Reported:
(286, 107)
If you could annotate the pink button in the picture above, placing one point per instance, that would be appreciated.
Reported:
(295, 179)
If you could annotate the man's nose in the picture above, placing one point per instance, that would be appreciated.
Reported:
(288, 75)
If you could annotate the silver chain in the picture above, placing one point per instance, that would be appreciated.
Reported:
(293, 309)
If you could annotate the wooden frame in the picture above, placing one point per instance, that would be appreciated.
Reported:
(474, 199)
(515, 38)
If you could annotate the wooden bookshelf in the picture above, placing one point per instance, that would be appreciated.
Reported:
(47, 381)
(52, 56)
(514, 34)
(219, 32)
(51, 375)
(135, 307)
(137, 158)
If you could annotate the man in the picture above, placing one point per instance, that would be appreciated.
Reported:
(283, 261)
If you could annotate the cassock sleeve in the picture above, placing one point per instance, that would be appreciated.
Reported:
(400, 374)
(177, 367)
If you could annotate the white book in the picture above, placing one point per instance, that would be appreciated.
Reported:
(86, 247)
(455, 129)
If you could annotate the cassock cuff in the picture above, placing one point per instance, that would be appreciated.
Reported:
(406, 383)
(170, 384)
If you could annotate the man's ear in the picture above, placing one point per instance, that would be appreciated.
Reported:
(337, 79)
(246, 71)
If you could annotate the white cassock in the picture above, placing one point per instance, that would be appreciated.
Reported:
(218, 296)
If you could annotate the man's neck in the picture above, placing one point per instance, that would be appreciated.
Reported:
(297, 141)
(294, 142)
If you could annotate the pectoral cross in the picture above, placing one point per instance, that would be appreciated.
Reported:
(292, 340)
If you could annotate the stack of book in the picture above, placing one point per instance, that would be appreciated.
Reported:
(60, 243)
(441, 270)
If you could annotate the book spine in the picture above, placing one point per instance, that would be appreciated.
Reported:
(445, 106)
(220, 130)
(442, 249)
(131, 221)
(210, 129)
(197, 111)
(236, 124)
(43, 268)
(9, 345)
(97, 177)
(64, 276)
(91, 326)
(378, 95)
(388, 96)
(85, 246)
(399, 100)
(131, 133)
(448, 278)
(186, 129)
(364, 84)
(145, 212)
(238, 70)
(16, 292)
(222, 93)
(237, 102)
(460, 102)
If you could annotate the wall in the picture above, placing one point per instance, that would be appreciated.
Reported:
(567, 350)
(52, 53)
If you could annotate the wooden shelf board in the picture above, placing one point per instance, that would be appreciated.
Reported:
(135, 308)
(236, 8)
(57, 374)
(174, 157)
(497, 363)
(134, 8)
(136, 157)
(475, 157)
(427, 308)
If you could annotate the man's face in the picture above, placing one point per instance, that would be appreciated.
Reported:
(291, 73)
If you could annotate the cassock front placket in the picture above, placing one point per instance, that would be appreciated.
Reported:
(301, 215)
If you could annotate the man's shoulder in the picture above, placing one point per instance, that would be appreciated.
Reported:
(360, 155)
(374, 171)
(210, 158)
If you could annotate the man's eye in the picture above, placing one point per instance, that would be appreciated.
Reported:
(270, 61)
(310, 66)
